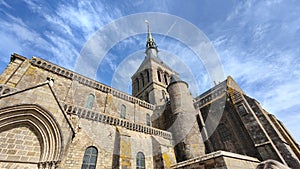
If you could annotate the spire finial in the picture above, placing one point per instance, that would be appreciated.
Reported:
(147, 22)
(149, 33)
(150, 40)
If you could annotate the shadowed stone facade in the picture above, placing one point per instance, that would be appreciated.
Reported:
(51, 117)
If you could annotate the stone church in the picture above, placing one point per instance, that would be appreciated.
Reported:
(52, 117)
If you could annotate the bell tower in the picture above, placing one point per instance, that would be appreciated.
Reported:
(150, 81)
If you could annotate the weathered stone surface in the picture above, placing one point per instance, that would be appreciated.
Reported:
(45, 121)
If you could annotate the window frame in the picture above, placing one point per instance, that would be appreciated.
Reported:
(90, 101)
(140, 160)
(91, 152)
(123, 112)
(148, 119)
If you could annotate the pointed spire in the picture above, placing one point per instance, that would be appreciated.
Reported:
(150, 40)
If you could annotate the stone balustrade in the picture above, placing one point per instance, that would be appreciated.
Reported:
(108, 119)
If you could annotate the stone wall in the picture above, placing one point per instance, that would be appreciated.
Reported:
(117, 146)
(283, 144)
(48, 91)
(247, 127)
(22, 70)
(19, 143)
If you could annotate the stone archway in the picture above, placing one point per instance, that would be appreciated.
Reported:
(30, 138)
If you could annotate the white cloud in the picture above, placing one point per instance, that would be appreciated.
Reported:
(2, 2)
(68, 27)
(19, 37)
(21, 31)
(63, 50)
(87, 16)
(257, 47)
(58, 22)
(35, 6)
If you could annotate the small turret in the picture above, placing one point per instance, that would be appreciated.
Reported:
(181, 99)
(185, 129)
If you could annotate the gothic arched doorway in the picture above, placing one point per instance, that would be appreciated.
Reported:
(30, 137)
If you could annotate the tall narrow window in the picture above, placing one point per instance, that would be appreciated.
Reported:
(90, 158)
(158, 75)
(143, 80)
(90, 101)
(166, 79)
(224, 133)
(148, 119)
(148, 76)
(137, 83)
(140, 160)
(123, 111)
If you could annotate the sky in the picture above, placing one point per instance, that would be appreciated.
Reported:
(256, 42)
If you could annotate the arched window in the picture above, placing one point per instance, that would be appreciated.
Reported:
(123, 111)
(140, 160)
(148, 119)
(90, 101)
(90, 158)
(224, 133)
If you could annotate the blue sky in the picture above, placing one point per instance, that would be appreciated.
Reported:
(257, 42)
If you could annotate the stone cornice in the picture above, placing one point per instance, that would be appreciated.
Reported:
(87, 81)
(112, 120)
